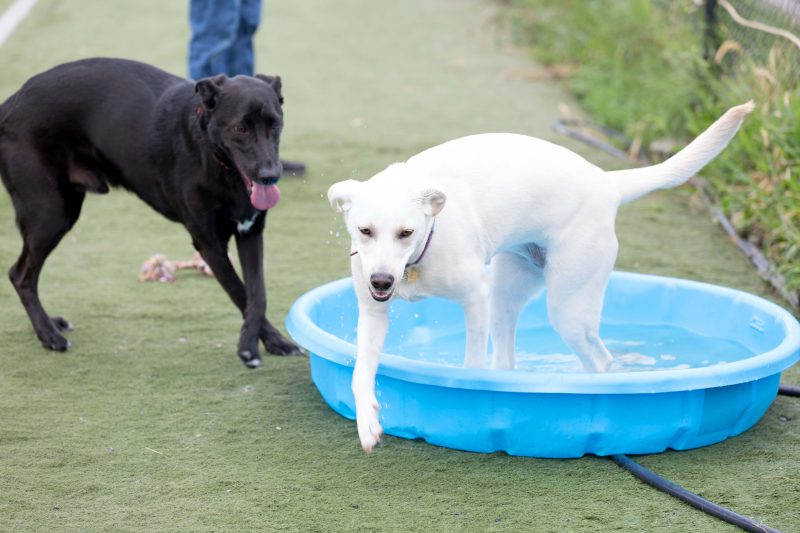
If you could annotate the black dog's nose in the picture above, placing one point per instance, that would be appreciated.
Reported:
(267, 178)
(381, 281)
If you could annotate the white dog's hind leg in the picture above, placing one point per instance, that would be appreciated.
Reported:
(576, 277)
(516, 277)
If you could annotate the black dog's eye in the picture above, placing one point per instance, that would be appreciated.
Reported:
(240, 128)
(365, 231)
(405, 233)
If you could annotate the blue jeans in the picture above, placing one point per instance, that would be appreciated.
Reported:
(222, 37)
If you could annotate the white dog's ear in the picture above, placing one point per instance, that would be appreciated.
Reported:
(340, 195)
(432, 201)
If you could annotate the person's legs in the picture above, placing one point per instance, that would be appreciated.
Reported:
(214, 24)
(240, 55)
(222, 42)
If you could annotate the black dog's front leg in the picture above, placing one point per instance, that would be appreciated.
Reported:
(250, 296)
(256, 325)
(216, 256)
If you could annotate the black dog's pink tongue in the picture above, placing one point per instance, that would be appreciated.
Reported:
(264, 197)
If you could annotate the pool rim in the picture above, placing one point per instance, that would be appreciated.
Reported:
(328, 346)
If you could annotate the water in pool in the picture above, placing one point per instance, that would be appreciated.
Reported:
(635, 348)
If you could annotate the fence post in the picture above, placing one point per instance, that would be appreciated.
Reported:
(710, 37)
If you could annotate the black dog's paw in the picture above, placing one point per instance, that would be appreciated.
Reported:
(277, 344)
(61, 323)
(250, 359)
(54, 341)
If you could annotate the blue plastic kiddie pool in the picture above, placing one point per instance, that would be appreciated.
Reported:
(697, 363)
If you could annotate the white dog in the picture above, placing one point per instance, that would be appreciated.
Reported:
(541, 215)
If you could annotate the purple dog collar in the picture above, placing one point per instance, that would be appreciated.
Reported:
(425, 248)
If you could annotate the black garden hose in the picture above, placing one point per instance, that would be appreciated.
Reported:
(789, 390)
(686, 496)
(675, 490)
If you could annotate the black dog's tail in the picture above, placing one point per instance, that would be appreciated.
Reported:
(5, 109)
(2, 133)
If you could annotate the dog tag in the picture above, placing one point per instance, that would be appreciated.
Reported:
(412, 275)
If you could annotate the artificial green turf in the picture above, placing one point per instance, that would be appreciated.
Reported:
(150, 422)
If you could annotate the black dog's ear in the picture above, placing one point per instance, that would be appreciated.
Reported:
(209, 89)
(274, 82)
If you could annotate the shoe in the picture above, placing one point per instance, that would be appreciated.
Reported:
(293, 168)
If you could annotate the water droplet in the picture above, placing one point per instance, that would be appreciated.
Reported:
(757, 324)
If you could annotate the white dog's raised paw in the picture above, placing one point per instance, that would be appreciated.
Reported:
(370, 431)
(371, 438)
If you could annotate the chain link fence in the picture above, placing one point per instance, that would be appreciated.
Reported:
(765, 31)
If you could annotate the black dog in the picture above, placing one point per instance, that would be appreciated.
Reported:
(203, 154)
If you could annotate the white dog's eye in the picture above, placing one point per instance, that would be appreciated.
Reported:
(405, 233)
(365, 231)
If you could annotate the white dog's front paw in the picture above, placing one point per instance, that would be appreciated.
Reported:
(369, 428)
(607, 364)
(601, 365)
(473, 361)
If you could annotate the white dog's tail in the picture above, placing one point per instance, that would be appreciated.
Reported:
(637, 182)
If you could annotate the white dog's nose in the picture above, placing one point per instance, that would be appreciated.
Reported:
(381, 281)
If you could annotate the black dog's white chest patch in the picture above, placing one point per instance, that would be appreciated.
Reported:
(243, 226)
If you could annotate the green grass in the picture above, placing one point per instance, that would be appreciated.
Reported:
(150, 422)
